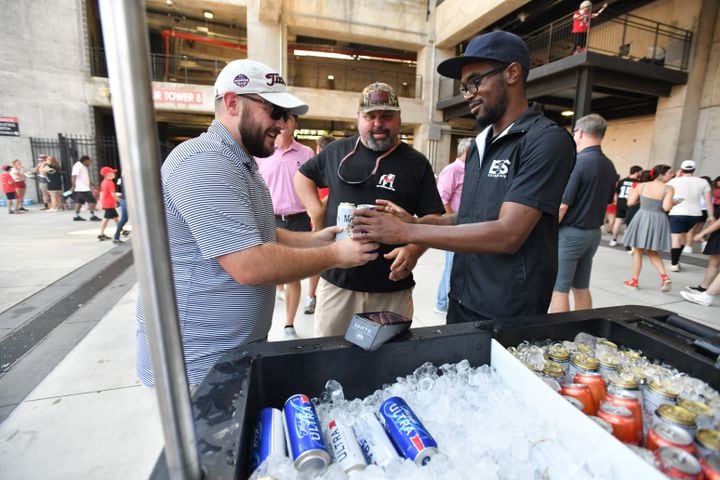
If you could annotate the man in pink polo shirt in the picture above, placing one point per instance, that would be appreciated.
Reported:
(278, 171)
(449, 184)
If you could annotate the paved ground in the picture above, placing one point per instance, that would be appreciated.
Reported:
(71, 405)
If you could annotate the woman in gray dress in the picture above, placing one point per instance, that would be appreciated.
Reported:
(649, 230)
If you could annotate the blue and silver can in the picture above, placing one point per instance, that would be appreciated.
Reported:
(374, 442)
(344, 447)
(304, 437)
(407, 433)
(268, 437)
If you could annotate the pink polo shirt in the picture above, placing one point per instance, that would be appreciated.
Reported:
(278, 171)
(450, 182)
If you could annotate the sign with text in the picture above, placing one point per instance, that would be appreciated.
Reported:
(167, 95)
(9, 126)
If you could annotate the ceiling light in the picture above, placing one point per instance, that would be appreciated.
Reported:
(169, 3)
(312, 53)
(202, 28)
(567, 113)
(331, 77)
(208, 14)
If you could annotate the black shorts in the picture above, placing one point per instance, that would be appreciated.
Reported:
(621, 212)
(297, 222)
(10, 195)
(84, 197)
(110, 213)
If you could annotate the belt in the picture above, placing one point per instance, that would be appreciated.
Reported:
(286, 218)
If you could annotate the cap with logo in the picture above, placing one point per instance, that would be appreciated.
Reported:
(378, 96)
(105, 170)
(504, 47)
(248, 76)
(687, 165)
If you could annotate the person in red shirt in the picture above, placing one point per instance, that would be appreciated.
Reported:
(8, 186)
(581, 24)
(108, 200)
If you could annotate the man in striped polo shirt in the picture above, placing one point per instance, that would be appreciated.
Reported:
(226, 252)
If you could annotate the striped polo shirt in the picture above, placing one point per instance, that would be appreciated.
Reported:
(216, 203)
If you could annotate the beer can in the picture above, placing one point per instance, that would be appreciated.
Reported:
(596, 383)
(344, 218)
(554, 370)
(268, 437)
(622, 420)
(560, 355)
(344, 447)
(655, 394)
(582, 393)
(625, 382)
(406, 431)
(629, 401)
(304, 437)
(374, 442)
(703, 412)
(664, 435)
(607, 365)
(711, 466)
(369, 206)
(603, 424)
(678, 416)
(707, 442)
(581, 362)
(677, 463)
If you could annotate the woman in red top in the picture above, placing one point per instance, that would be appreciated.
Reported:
(8, 186)
(108, 200)
(581, 24)
(18, 174)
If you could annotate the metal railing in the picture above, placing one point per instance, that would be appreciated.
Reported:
(305, 73)
(627, 36)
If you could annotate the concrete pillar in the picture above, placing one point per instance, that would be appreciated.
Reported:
(266, 34)
(676, 118)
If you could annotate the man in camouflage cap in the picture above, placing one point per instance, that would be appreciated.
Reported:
(369, 168)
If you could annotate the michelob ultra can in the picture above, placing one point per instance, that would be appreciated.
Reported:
(268, 437)
(345, 447)
(344, 218)
(407, 433)
(305, 442)
(374, 442)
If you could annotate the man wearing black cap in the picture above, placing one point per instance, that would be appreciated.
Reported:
(505, 232)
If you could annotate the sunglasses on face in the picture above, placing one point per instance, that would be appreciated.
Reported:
(276, 113)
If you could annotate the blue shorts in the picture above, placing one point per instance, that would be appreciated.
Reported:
(683, 223)
(576, 249)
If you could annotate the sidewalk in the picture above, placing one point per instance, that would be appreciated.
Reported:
(91, 418)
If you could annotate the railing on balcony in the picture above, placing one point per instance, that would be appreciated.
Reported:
(627, 36)
(306, 73)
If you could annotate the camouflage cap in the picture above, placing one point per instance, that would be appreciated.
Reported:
(378, 96)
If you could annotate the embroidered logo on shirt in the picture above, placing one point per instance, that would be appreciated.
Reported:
(386, 181)
(499, 168)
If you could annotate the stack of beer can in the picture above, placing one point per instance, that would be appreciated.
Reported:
(377, 438)
(669, 419)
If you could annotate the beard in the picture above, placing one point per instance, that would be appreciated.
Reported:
(493, 112)
(254, 139)
(380, 145)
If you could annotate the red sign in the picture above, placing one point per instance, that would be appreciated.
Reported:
(166, 95)
(9, 126)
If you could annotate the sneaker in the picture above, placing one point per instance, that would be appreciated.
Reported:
(280, 294)
(102, 237)
(695, 289)
(23, 209)
(439, 311)
(613, 243)
(78, 218)
(632, 283)
(701, 298)
(289, 333)
(675, 268)
(125, 233)
(44, 208)
(665, 284)
(309, 305)
(95, 218)
(117, 240)
(687, 249)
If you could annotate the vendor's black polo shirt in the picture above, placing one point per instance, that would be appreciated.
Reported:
(404, 177)
(529, 164)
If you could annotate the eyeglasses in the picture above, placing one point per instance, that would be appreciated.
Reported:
(374, 171)
(474, 85)
(276, 113)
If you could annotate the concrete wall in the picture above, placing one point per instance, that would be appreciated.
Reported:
(458, 20)
(627, 143)
(43, 67)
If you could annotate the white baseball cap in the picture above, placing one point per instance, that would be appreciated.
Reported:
(687, 165)
(248, 76)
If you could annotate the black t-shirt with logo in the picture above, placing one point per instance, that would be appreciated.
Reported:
(530, 165)
(404, 177)
(624, 187)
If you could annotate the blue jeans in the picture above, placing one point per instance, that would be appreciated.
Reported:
(123, 219)
(442, 294)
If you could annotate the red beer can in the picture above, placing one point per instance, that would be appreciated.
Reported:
(622, 420)
(665, 435)
(629, 401)
(597, 386)
(677, 463)
(711, 466)
(580, 392)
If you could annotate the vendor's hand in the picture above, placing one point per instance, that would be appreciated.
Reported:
(325, 236)
(377, 226)
(388, 206)
(405, 259)
(353, 253)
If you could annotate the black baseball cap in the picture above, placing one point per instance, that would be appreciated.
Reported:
(500, 46)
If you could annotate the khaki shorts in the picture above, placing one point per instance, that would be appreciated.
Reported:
(336, 306)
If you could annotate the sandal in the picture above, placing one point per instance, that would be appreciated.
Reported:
(665, 283)
(632, 283)
(103, 237)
